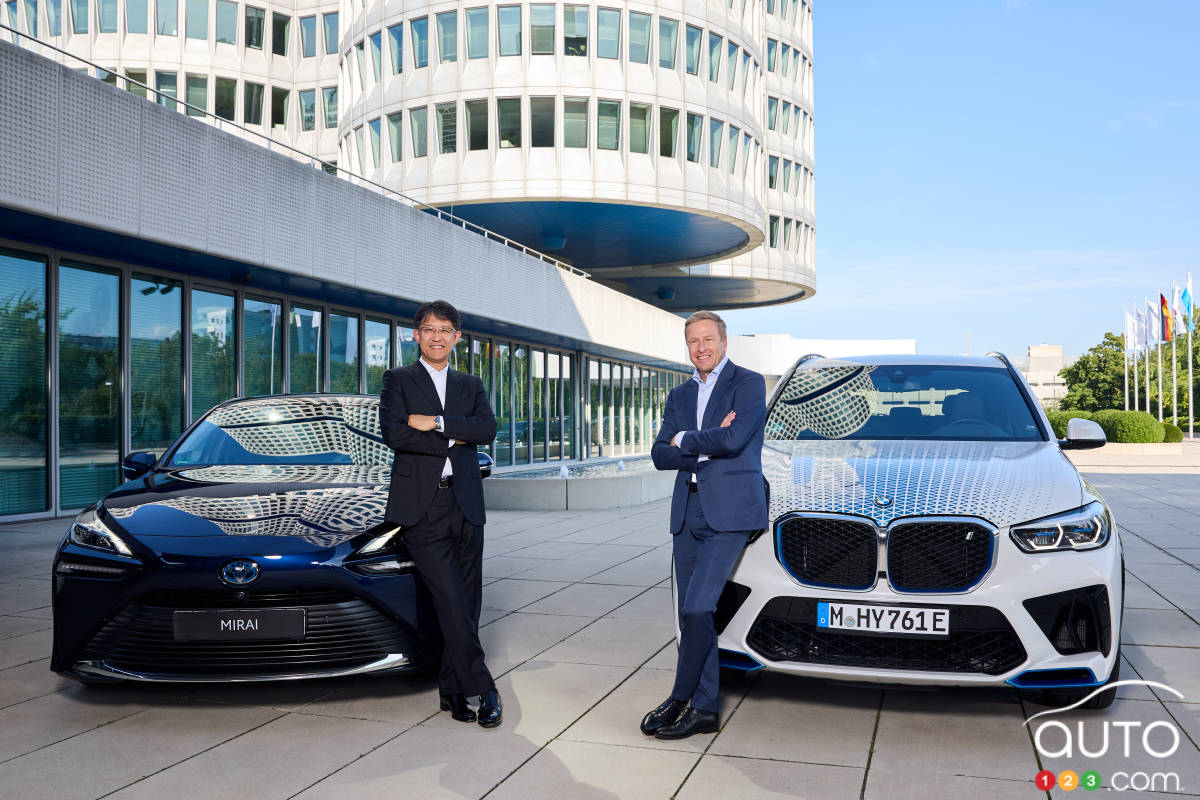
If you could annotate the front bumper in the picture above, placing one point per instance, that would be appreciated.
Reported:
(1001, 639)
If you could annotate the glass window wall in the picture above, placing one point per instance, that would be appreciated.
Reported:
(377, 344)
(520, 394)
(502, 403)
(262, 336)
(343, 352)
(540, 404)
(305, 345)
(213, 367)
(23, 428)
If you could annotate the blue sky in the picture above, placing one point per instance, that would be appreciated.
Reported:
(1017, 170)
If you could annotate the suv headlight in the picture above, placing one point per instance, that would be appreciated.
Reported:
(89, 530)
(1084, 528)
(384, 554)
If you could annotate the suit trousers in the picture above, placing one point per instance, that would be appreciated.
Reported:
(448, 553)
(703, 560)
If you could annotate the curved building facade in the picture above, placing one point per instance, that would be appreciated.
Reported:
(665, 148)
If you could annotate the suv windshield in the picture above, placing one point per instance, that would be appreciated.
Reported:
(287, 430)
(829, 399)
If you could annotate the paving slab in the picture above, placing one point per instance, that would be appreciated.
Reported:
(589, 771)
(724, 777)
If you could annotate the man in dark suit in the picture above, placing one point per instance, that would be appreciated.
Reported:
(433, 417)
(712, 433)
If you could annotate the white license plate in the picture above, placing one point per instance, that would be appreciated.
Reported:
(884, 620)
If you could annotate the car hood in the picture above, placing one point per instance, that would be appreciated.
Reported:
(321, 505)
(1002, 482)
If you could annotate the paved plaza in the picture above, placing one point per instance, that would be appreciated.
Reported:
(577, 623)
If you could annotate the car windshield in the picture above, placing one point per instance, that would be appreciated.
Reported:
(287, 430)
(830, 399)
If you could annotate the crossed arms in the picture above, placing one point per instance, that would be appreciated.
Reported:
(414, 433)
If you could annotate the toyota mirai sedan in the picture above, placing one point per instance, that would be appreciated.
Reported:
(926, 528)
(254, 549)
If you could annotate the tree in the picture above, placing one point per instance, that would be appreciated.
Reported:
(1096, 380)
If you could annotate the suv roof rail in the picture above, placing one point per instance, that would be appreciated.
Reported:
(808, 357)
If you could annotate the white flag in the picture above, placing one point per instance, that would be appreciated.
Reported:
(1130, 332)
(1177, 310)
(1139, 332)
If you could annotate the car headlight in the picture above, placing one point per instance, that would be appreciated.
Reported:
(89, 530)
(1084, 528)
(384, 554)
(378, 543)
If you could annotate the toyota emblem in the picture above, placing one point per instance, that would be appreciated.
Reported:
(239, 572)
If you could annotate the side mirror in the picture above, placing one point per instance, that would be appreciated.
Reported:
(1082, 434)
(486, 463)
(135, 465)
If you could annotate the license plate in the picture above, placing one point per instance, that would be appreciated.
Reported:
(236, 625)
(884, 620)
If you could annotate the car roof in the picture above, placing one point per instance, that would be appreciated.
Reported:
(909, 358)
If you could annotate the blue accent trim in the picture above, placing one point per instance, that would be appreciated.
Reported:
(783, 563)
(992, 536)
(735, 659)
(1020, 682)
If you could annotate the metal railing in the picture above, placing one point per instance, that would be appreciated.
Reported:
(273, 144)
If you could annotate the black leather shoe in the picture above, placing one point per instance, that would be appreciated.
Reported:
(692, 721)
(662, 716)
(458, 707)
(491, 710)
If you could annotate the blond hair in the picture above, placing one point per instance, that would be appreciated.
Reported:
(701, 316)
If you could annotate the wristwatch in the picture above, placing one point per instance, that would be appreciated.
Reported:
(439, 424)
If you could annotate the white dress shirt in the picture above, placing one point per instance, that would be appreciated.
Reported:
(703, 393)
(439, 383)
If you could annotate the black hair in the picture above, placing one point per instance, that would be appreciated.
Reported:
(440, 309)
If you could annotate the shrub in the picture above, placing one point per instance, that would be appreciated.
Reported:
(1172, 433)
(1058, 419)
(1129, 426)
(1107, 419)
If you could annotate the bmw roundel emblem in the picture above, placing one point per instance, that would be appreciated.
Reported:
(239, 572)
(883, 502)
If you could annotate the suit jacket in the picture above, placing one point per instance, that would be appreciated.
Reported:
(730, 482)
(420, 455)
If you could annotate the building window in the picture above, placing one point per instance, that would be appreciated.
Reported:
(89, 381)
(308, 37)
(692, 48)
(715, 130)
(668, 131)
(374, 132)
(225, 98)
(773, 231)
(155, 362)
(376, 40)
(447, 30)
(377, 345)
(281, 25)
(396, 47)
(196, 94)
(419, 122)
(772, 171)
(331, 32)
(508, 25)
(668, 42)
(695, 132)
(447, 127)
(166, 14)
(54, 16)
(520, 395)
(785, 53)
(420, 41)
(360, 52)
(508, 115)
(308, 109)
(541, 30)
(329, 99)
(343, 352)
(255, 20)
(714, 57)
(477, 124)
(24, 484)
(395, 132)
(213, 368)
(575, 122)
(227, 21)
(787, 175)
(541, 121)
(772, 112)
(141, 77)
(196, 21)
(502, 402)
(639, 128)
(477, 32)
(306, 371)
(734, 133)
(137, 13)
(787, 116)
(106, 13)
(252, 103)
(639, 38)
(608, 124)
(575, 30)
(608, 33)
(731, 65)
(772, 46)
(167, 84)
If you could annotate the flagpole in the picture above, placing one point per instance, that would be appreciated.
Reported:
(1174, 369)
(1125, 357)
(1135, 367)
(1191, 324)
(1160, 386)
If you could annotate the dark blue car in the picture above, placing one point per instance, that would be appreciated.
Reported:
(254, 549)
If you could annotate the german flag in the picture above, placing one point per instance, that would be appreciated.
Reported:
(1165, 318)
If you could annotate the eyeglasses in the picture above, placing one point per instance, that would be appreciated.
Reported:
(443, 332)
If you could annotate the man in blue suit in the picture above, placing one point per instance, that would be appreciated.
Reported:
(712, 433)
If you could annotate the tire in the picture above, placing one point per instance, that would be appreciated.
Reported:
(1065, 697)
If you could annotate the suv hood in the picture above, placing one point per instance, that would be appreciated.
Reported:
(322, 505)
(1002, 482)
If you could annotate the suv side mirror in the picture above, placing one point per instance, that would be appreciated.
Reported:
(1082, 434)
(135, 465)
(486, 463)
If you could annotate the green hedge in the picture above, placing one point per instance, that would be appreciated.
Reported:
(1172, 433)
(1129, 426)
(1058, 419)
